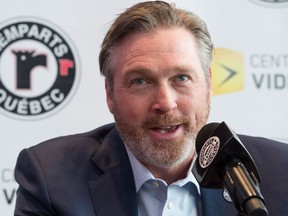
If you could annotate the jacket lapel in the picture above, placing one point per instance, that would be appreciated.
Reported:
(113, 192)
(214, 203)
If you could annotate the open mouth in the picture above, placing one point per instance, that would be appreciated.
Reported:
(166, 129)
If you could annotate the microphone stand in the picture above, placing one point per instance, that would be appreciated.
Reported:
(248, 200)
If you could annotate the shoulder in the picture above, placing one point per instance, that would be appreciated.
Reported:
(48, 171)
(271, 159)
(269, 155)
(71, 148)
(262, 145)
(80, 140)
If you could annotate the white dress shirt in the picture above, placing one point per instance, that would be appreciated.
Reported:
(156, 198)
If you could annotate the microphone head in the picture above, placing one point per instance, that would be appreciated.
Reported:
(216, 145)
(205, 133)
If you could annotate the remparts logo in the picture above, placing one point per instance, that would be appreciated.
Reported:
(38, 68)
(227, 71)
(271, 3)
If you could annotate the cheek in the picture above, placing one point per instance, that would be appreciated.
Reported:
(130, 107)
(194, 103)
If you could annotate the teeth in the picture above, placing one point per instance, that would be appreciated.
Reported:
(167, 129)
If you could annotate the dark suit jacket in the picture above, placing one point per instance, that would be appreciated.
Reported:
(90, 174)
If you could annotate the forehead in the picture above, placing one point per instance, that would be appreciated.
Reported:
(163, 37)
(160, 46)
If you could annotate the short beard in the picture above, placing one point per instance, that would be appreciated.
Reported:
(161, 154)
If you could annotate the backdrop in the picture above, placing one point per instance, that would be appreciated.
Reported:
(50, 83)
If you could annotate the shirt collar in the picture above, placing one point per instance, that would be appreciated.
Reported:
(142, 174)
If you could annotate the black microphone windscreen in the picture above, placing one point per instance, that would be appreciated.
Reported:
(204, 134)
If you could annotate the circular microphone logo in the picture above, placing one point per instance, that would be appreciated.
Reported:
(39, 68)
(209, 151)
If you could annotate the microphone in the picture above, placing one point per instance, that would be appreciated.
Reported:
(223, 161)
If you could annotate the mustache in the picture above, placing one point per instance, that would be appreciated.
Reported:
(166, 120)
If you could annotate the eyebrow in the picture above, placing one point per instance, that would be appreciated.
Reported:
(137, 71)
(146, 71)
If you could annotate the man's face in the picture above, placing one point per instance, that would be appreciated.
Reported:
(160, 98)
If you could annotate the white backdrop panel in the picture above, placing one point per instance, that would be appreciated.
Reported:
(239, 25)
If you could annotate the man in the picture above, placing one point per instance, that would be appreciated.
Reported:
(156, 62)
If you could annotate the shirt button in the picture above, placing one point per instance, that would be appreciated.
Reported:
(170, 205)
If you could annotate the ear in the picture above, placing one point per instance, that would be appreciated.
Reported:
(210, 82)
(109, 96)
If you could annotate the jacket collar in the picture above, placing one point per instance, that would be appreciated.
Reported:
(113, 192)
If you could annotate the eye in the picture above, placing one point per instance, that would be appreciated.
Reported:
(182, 78)
(138, 81)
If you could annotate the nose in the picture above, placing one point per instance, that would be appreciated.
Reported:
(164, 99)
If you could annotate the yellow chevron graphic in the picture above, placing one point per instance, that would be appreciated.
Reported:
(227, 71)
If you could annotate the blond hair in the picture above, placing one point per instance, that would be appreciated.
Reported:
(148, 16)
